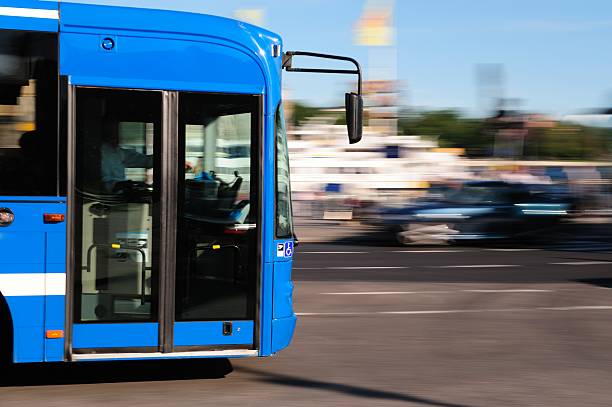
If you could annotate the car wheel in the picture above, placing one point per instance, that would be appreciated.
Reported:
(424, 234)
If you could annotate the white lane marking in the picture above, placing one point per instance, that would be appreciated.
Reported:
(580, 263)
(352, 268)
(578, 308)
(29, 12)
(512, 290)
(438, 292)
(331, 252)
(513, 250)
(461, 311)
(426, 312)
(32, 284)
(479, 265)
(333, 314)
(367, 268)
(388, 292)
(426, 251)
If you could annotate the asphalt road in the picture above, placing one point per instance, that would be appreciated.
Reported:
(385, 325)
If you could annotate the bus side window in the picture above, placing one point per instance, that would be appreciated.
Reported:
(284, 212)
(28, 114)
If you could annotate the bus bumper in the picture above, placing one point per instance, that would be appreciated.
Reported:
(282, 332)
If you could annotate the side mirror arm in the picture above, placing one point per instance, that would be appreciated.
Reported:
(288, 65)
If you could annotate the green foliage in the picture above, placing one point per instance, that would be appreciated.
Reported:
(570, 142)
(478, 137)
(302, 112)
(451, 130)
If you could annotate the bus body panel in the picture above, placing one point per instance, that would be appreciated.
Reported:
(32, 276)
(265, 310)
(55, 317)
(153, 49)
(282, 332)
(209, 333)
(29, 15)
(141, 334)
(283, 290)
(283, 318)
(168, 64)
(268, 227)
(181, 57)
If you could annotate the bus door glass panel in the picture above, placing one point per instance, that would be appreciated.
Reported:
(217, 208)
(28, 114)
(117, 193)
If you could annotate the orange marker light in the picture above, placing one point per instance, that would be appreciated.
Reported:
(53, 217)
(55, 334)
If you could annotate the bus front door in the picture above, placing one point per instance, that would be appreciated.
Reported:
(216, 257)
(165, 221)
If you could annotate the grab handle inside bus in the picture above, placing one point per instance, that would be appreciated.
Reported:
(353, 101)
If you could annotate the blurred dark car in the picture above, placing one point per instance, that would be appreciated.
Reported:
(475, 211)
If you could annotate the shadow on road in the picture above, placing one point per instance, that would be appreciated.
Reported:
(113, 372)
(599, 282)
(346, 389)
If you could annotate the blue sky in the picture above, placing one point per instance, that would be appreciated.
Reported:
(556, 55)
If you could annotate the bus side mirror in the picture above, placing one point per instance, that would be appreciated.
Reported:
(354, 101)
(354, 116)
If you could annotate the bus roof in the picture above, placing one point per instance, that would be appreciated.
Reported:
(37, 8)
(73, 18)
(156, 19)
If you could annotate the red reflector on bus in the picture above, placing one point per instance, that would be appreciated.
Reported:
(53, 217)
(234, 231)
(55, 334)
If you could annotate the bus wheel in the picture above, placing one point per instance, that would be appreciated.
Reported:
(6, 334)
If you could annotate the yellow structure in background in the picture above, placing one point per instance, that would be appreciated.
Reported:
(253, 16)
(375, 27)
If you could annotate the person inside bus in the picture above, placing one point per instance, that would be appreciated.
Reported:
(115, 159)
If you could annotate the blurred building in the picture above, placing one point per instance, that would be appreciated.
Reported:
(332, 179)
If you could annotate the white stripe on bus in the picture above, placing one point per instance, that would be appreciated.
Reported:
(29, 12)
(55, 284)
(32, 284)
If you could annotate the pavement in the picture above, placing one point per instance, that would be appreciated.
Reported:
(383, 325)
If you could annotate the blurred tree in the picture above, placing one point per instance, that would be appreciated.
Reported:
(572, 142)
(562, 141)
(301, 112)
(451, 130)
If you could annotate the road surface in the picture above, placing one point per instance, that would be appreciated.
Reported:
(385, 326)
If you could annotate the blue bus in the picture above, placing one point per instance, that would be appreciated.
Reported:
(145, 204)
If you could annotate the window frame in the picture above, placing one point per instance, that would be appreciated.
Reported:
(56, 126)
(255, 190)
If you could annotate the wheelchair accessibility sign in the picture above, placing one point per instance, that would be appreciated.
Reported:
(284, 249)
